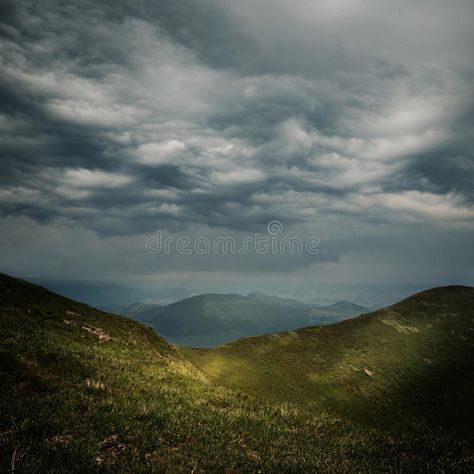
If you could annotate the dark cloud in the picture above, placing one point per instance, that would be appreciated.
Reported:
(163, 176)
(118, 118)
(440, 172)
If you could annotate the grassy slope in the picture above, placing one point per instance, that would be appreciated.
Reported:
(418, 352)
(71, 402)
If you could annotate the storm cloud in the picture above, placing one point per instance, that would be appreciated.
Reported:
(351, 120)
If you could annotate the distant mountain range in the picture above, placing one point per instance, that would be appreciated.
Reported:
(207, 319)
(212, 319)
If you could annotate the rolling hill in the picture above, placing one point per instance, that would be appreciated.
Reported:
(413, 359)
(88, 391)
(212, 319)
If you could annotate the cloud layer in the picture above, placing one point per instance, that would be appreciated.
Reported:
(348, 119)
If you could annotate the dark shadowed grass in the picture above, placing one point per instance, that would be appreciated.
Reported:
(86, 391)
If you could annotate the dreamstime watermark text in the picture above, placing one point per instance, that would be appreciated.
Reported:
(270, 243)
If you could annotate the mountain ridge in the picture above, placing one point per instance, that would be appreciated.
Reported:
(214, 318)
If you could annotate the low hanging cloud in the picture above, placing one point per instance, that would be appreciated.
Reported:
(336, 117)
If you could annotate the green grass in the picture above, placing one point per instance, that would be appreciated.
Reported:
(419, 353)
(291, 402)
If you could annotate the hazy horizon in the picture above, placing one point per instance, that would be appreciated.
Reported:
(114, 296)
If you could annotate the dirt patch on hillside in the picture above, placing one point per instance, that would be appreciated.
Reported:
(100, 333)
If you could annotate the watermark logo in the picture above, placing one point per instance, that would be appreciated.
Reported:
(273, 242)
(274, 227)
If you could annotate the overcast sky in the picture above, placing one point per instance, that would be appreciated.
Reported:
(347, 120)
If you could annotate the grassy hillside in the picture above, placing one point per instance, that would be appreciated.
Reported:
(87, 391)
(406, 363)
